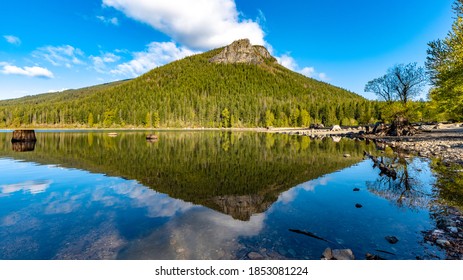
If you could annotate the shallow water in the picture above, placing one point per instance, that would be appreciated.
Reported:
(207, 195)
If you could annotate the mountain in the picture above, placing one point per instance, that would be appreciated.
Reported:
(239, 85)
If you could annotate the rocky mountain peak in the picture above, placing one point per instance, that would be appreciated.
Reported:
(242, 51)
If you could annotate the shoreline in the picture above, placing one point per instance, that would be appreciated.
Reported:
(444, 142)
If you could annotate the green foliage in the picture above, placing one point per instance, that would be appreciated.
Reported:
(109, 118)
(90, 120)
(269, 118)
(225, 119)
(445, 66)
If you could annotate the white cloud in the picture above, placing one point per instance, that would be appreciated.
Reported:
(113, 20)
(60, 56)
(12, 40)
(34, 71)
(156, 55)
(199, 24)
(290, 63)
(100, 62)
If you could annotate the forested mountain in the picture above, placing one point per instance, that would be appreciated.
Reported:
(236, 86)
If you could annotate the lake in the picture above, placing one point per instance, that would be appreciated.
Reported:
(208, 195)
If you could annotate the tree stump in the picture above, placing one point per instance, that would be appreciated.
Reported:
(23, 136)
(23, 146)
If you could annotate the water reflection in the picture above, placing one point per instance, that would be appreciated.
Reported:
(23, 146)
(32, 187)
(239, 174)
(408, 188)
(205, 196)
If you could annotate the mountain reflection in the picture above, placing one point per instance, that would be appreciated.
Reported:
(239, 174)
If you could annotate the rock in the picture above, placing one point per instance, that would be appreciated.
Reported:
(347, 155)
(439, 126)
(343, 254)
(358, 205)
(356, 189)
(336, 128)
(327, 254)
(152, 137)
(255, 256)
(372, 257)
(391, 239)
(443, 242)
(241, 51)
(453, 229)
(317, 126)
(23, 136)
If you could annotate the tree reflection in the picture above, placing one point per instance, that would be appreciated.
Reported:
(405, 189)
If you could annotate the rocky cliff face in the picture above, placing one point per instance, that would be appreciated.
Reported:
(242, 51)
(241, 207)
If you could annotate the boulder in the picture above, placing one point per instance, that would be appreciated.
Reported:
(343, 254)
(336, 128)
(327, 254)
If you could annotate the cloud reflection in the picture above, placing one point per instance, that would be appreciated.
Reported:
(309, 186)
(201, 234)
(31, 187)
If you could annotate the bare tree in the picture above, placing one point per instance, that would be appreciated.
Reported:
(402, 82)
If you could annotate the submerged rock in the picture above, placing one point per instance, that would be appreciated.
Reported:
(255, 256)
(327, 254)
(358, 205)
(372, 257)
(343, 254)
(392, 239)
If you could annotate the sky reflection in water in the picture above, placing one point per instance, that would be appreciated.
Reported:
(53, 212)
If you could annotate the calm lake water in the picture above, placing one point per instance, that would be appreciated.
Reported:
(207, 195)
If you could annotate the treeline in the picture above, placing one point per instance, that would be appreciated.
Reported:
(196, 93)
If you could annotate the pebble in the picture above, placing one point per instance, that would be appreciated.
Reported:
(356, 189)
(442, 242)
(453, 229)
(255, 256)
(358, 205)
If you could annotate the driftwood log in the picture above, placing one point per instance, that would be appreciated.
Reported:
(386, 170)
(23, 136)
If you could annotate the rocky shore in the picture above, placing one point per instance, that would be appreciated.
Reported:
(443, 142)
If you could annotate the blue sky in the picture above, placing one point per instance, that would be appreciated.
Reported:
(51, 45)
